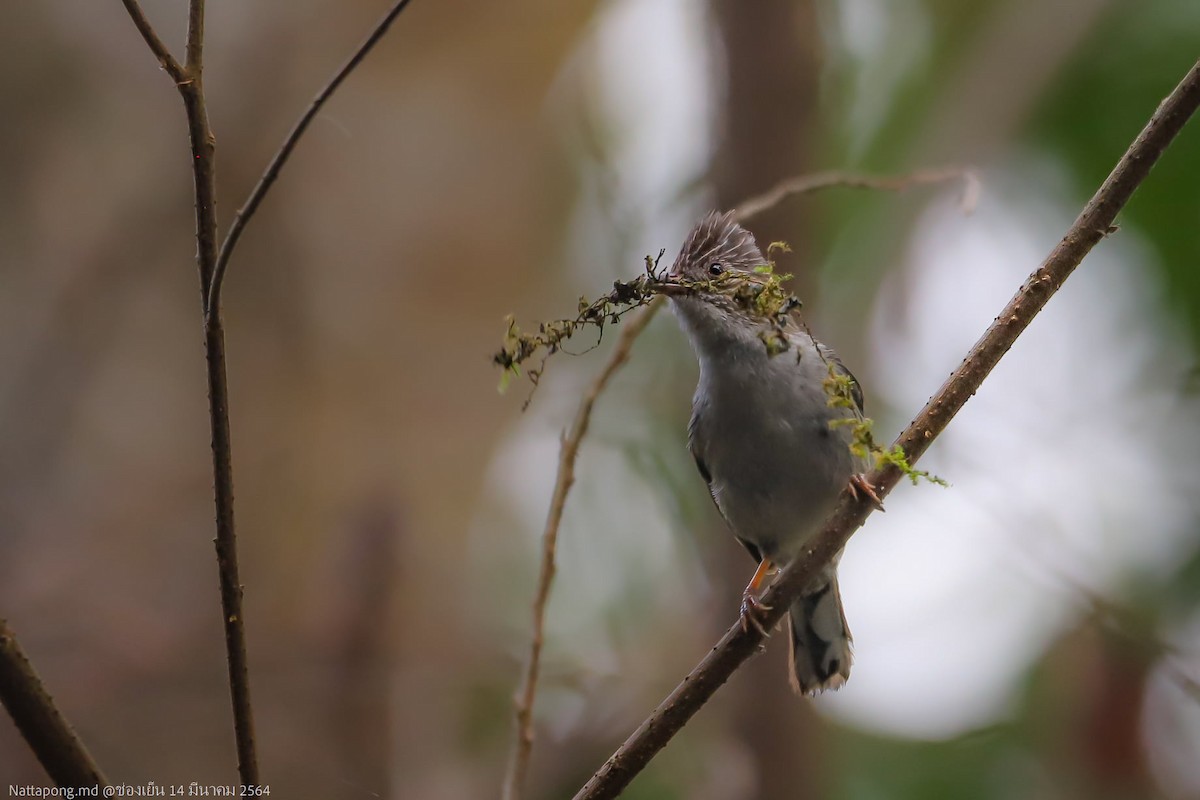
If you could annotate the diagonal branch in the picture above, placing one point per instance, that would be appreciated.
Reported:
(156, 45)
(736, 646)
(213, 297)
(52, 740)
(518, 766)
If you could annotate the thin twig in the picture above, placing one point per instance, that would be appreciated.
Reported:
(204, 167)
(203, 146)
(892, 183)
(519, 762)
(213, 297)
(736, 646)
(156, 45)
(233, 617)
(41, 724)
(518, 766)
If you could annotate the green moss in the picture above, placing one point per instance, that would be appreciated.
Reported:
(759, 293)
(841, 391)
(899, 459)
(519, 347)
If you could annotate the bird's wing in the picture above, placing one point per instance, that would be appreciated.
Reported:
(856, 392)
(796, 326)
(696, 447)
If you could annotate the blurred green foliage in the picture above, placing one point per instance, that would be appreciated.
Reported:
(1091, 111)
(1058, 741)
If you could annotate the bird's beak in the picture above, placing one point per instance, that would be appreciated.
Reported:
(671, 289)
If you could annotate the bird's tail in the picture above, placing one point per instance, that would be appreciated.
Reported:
(820, 656)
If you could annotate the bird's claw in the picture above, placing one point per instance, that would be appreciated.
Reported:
(751, 614)
(860, 485)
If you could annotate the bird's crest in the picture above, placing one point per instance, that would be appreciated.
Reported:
(718, 238)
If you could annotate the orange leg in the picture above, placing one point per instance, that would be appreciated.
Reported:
(752, 607)
(765, 568)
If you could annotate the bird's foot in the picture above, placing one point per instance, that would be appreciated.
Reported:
(859, 488)
(752, 612)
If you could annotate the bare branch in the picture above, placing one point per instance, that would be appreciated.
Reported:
(195, 38)
(213, 297)
(204, 169)
(160, 50)
(189, 82)
(52, 740)
(233, 618)
(519, 763)
(523, 747)
(212, 264)
(736, 646)
(804, 184)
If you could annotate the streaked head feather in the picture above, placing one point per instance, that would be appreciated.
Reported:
(717, 239)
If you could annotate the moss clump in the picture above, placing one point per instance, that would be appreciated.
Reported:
(518, 346)
(842, 391)
(759, 293)
(898, 459)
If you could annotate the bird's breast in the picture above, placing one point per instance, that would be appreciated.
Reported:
(777, 466)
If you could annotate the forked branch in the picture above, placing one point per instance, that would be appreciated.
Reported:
(213, 296)
(188, 79)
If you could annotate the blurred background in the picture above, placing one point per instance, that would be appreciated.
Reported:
(1033, 631)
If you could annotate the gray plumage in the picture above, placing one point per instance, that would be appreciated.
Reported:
(761, 436)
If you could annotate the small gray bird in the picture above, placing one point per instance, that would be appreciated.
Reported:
(761, 436)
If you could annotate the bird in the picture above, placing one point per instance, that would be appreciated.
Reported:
(766, 439)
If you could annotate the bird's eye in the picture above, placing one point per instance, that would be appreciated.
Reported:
(715, 269)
